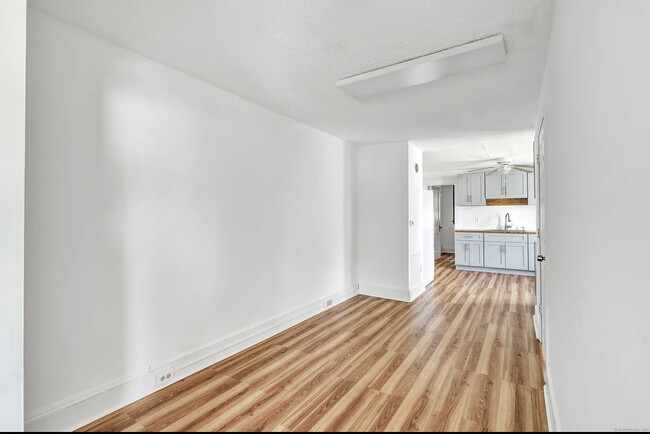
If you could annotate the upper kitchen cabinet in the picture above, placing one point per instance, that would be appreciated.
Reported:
(495, 186)
(470, 189)
(514, 185)
(532, 193)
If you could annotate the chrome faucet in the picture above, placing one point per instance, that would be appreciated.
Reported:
(508, 223)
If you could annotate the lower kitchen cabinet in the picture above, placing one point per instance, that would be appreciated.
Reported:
(495, 254)
(469, 253)
(495, 251)
(517, 256)
(532, 260)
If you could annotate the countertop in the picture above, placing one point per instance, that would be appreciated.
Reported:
(497, 231)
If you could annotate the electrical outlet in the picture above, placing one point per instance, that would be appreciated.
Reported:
(164, 376)
(327, 303)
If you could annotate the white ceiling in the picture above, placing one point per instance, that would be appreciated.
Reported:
(446, 157)
(287, 55)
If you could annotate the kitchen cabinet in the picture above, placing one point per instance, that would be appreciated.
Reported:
(517, 256)
(532, 259)
(506, 251)
(469, 249)
(532, 194)
(470, 189)
(494, 250)
(495, 187)
(514, 185)
(495, 254)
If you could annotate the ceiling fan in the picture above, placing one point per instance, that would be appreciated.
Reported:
(504, 167)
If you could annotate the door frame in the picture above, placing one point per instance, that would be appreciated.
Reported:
(437, 217)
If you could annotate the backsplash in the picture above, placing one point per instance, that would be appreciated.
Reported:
(493, 217)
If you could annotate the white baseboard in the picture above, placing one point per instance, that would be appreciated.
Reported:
(87, 406)
(417, 290)
(448, 250)
(495, 270)
(549, 400)
(385, 291)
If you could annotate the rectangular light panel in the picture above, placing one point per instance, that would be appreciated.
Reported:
(474, 55)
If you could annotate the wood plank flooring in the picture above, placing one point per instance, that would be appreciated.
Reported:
(462, 357)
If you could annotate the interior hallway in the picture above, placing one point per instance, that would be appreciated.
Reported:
(463, 356)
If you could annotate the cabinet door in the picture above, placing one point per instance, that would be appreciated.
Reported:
(532, 198)
(462, 252)
(495, 255)
(463, 190)
(476, 254)
(516, 184)
(477, 188)
(517, 256)
(531, 256)
(495, 186)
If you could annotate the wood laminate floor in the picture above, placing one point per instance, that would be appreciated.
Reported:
(463, 356)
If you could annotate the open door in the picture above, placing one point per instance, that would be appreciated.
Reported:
(437, 225)
(428, 232)
(540, 190)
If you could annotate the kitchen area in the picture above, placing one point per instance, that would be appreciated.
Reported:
(495, 221)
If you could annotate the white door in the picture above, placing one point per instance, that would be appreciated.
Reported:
(516, 185)
(463, 190)
(540, 245)
(428, 233)
(495, 254)
(495, 187)
(437, 223)
(517, 256)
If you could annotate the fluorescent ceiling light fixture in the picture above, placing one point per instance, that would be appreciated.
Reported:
(430, 67)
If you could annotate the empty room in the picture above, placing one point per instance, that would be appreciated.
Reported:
(324, 215)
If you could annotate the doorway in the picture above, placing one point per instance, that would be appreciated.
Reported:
(437, 224)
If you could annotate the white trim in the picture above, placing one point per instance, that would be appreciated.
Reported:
(82, 408)
(496, 270)
(417, 290)
(385, 291)
(552, 419)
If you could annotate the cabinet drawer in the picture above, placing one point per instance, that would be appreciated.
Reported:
(469, 236)
(507, 238)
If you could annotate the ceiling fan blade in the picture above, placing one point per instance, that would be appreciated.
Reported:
(491, 171)
(527, 169)
(482, 169)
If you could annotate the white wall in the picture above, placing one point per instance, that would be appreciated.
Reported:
(382, 219)
(415, 232)
(596, 105)
(493, 217)
(447, 235)
(12, 189)
(163, 214)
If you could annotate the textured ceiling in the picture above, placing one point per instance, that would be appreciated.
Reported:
(446, 157)
(286, 55)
